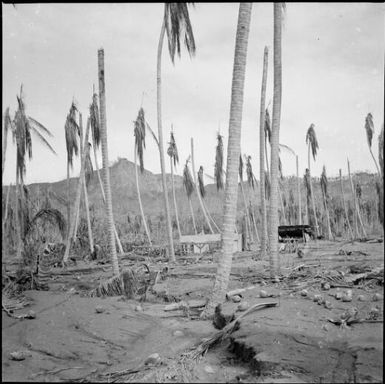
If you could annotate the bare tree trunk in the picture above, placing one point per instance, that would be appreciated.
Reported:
(192, 216)
(174, 198)
(345, 209)
(160, 139)
(282, 206)
(262, 146)
(68, 199)
(330, 235)
(104, 197)
(312, 194)
(140, 200)
(106, 173)
(248, 225)
(357, 208)
(299, 192)
(197, 187)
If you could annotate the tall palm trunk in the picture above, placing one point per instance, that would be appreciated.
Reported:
(330, 235)
(233, 152)
(262, 147)
(192, 215)
(17, 213)
(345, 208)
(356, 206)
(280, 192)
(299, 192)
(276, 118)
(106, 173)
(174, 197)
(85, 148)
(73, 225)
(68, 199)
(311, 192)
(210, 217)
(140, 200)
(4, 143)
(160, 139)
(104, 196)
(375, 162)
(197, 187)
(248, 224)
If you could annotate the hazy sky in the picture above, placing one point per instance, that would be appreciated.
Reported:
(333, 75)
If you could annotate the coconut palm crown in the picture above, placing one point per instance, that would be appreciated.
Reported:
(140, 137)
(312, 139)
(201, 183)
(187, 179)
(172, 150)
(72, 133)
(178, 25)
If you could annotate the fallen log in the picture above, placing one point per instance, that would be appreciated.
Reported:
(185, 304)
(238, 291)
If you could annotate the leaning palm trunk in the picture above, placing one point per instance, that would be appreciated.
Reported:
(85, 148)
(197, 187)
(174, 197)
(104, 196)
(248, 224)
(276, 118)
(299, 192)
(330, 235)
(312, 194)
(345, 208)
(160, 139)
(106, 173)
(356, 206)
(140, 200)
(233, 152)
(210, 217)
(73, 226)
(262, 144)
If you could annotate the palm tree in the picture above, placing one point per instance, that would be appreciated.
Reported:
(72, 132)
(197, 187)
(95, 131)
(106, 173)
(172, 151)
(23, 127)
(252, 181)
(356, 207)
(311, 141)
(273, 212)
(345, 208)
(189, 187)
(176, 23)
(325, 197)
(6, 127)
(380, 184)
(233, 152)
(369, 128)
(262, 146)
(140, 144)
(248, 224)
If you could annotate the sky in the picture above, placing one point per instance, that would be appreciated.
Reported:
(332, 71)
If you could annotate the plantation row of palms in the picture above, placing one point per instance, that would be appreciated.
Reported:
(273, 202)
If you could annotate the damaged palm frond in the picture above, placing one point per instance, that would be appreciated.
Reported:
(249, 172)
(178, 25)
(140, 137)
(88, 168)
(72, 134)
(240, 168)
(110, 287)
(172, 150)
(312, 139)
(324, 183)
(54, 216)
(200, 182)
(267, 126)
(95, 121)
(267, 186)
(202, 348)
(218, 168)
(187, 179)
(369, 128)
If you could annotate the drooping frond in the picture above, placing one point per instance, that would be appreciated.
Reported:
(280, 168)
(40, 136)
(381, 150)
(187, 179)
(283, 146)
(95, 121)
(88, 168)
(72, 134)
(324, 182)
(369, 128)
(140, 137)
(54, 216)
(178, 26)
(172, 150)
(312, 139)
(249, 172)
(240, 169)
(201, 183)
(267, 126)
(218, 168)
(267, 186)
